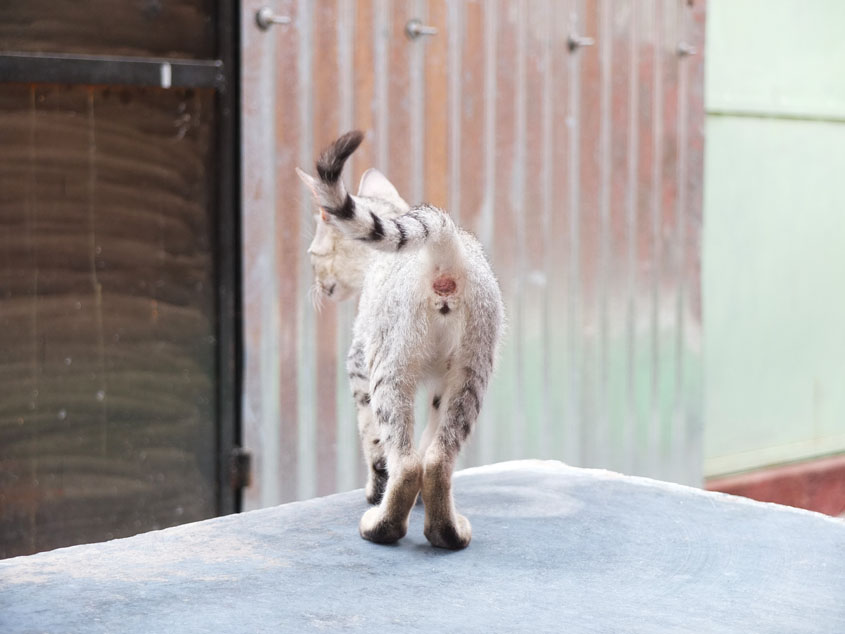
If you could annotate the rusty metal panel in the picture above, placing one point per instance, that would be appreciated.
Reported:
(162, 28)
(580, 170)
(108, 290)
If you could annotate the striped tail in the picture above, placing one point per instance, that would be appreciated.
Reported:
(376, 221)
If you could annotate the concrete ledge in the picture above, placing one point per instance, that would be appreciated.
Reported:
(554, 549)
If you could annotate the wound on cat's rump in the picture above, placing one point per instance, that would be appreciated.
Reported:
(444, 285)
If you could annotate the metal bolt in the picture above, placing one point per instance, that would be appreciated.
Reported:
(577, 41)
(415, 29)
(265, 18)
(685, 49)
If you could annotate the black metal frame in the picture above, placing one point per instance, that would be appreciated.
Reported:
(59, 68)
(221, 74)
(228, 264)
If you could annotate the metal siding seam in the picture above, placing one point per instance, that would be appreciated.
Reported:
(260, 305)
(455, 16)
(656, 187)
(306, 451)
(487, 425)
(417, 90)
(381, 33)
(628, 448)
(347, 445)
(679, 436)
(605, 39)
(519, 430)
(546, 447)
(574, 436)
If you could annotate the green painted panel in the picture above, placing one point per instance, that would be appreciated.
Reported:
(782, 58)
(773, 280)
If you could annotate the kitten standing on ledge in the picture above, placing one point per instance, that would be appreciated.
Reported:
(430, 312)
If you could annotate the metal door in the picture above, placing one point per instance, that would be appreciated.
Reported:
(117, 278)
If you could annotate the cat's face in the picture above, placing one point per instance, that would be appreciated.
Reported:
(339, 264)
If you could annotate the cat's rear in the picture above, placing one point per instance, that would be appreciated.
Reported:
(430, 312)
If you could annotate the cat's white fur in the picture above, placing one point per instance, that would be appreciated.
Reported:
(430, 312)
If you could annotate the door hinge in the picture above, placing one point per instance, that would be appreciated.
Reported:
(240, 468)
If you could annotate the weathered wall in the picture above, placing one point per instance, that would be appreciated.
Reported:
(580, 171)
(774, 264)
(107, 313)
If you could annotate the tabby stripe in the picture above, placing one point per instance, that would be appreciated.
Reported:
(362, 398)
(417, 218)
(377, 232)
(358, 375)
(402, 237)
(471, 391)
(346, 211)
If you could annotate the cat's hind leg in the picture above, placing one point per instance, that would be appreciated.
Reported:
(444, 526)
(374, 457)
(392, 403)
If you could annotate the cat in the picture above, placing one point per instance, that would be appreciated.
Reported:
(430, 312)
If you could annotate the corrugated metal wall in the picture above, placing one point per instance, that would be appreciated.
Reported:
(579, 169)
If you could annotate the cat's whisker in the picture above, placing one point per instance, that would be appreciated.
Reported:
(315, 294)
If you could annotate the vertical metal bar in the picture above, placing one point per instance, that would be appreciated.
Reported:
(485, 226)
(519, 429)
(381, 34)
(365, 113)
(503, 389)
(260, 403)
(416, 90)
(399, 52)
(695, 116)
(228, 270)
(417, 93)
(574, 437)
(679, 423)
(436, 145)
(656, 187)
(487, 429)
(306, 463)
(347, 444)
(326, 106)
(632, 194)
(456, 29)
(545, 436)
(288, 262)
(558, 234)
(669, 281)
(605, 39)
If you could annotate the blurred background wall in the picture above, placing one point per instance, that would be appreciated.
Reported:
(644, 335)
(774, 235)
(568, 135)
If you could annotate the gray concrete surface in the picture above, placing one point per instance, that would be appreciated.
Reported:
(555, 549)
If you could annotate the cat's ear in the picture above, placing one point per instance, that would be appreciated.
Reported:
(374, 184)
(310, 181)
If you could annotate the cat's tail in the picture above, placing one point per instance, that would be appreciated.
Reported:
(376, 221)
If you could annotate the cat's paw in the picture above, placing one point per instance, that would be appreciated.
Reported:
(375, 527)
(447, 534)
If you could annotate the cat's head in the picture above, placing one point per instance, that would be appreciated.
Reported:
(339, 262)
